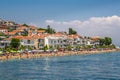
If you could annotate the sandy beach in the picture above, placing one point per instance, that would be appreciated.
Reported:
(51, 54)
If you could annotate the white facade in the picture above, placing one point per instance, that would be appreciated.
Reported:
(90, 42)
(4, 43)
(40, 43)
(27, 42)
(75, 41)
(55, 41)
(3, 30)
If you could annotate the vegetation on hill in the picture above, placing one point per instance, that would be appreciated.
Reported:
(25, 25)
(105, 41)
(50, 30)
(71, 31)
(41, 29)
(15, 43)
(2, 34)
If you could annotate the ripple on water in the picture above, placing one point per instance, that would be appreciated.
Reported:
(78, 67)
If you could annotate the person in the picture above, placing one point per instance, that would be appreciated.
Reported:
(20, 55)
(6, 55)
(27, 56)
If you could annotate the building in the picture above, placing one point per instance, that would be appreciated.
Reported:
(41, 31)
(75, 40)
(95, 40)
(3, 30)
(4, 43)
(56, 41)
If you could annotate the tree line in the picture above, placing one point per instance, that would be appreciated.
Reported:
(52, 31)
(105, 41)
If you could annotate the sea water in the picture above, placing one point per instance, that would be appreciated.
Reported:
(77, 67)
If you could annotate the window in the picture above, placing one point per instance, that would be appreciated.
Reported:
(75, 39)
(28, 41)
(65, 40)
(51, 41)
(2, 44)
(38, 40)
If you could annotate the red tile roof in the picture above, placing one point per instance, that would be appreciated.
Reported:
(74, 36)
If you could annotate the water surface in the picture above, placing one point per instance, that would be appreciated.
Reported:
(78, 67)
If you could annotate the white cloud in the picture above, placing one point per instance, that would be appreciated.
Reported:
(53, 22)
(33, 24)
(101, 26)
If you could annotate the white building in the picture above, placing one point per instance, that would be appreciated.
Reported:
(75, 40)
(91, 41)
(3, 30)
(56, 41)
(27, 42)
(4, 43)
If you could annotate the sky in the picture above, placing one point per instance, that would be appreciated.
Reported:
(87, 17)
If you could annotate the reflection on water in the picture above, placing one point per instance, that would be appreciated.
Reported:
(46, 64)
(82, 67)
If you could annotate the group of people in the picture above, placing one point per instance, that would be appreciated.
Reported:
(24, 55)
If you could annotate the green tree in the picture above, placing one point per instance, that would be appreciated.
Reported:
(51, 47)
(108, 41)
(15, 43)
(29, 47)
(71, 31)
(50, 30)
(2, 34)
(89, 46)
(77, 47)
(45, 48)
(102, 42)
(8, 49)
(57, 47)
(25, 25)
(105, 41)
(22, 47)
(41, 29)
(69, 47)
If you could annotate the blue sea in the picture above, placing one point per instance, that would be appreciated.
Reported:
(77, 67)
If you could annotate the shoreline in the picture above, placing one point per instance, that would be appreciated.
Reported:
(53, 54)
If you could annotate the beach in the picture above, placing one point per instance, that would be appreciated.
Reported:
(51, 54)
